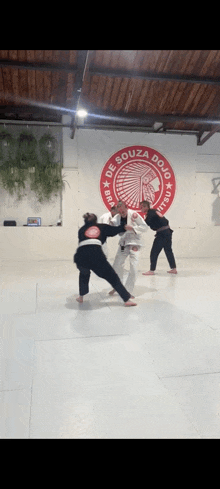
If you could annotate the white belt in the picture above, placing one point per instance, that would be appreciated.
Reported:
(90, 242)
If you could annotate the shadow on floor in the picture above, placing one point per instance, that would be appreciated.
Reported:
(92, 301)
(100, 299)
(138, 291)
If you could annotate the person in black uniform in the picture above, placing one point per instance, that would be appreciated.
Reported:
(89, 256)
(163, 237)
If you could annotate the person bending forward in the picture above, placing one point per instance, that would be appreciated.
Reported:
(163, 237)
(89, 256)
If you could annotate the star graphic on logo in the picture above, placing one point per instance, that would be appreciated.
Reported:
(169, 185)
(106, 184)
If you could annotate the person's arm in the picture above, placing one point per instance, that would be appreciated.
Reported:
(138, 224)
(113, 230)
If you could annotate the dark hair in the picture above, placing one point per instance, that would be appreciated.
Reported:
(145, 202)
(88, 217)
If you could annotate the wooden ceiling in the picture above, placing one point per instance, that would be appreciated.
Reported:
(152, 91)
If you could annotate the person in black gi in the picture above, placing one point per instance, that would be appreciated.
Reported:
(89, 256)
(163, 237)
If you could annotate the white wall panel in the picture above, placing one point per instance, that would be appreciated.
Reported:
(193, 214)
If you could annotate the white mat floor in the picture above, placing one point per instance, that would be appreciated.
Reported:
(100, 370)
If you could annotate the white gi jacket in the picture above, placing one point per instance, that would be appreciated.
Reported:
(139, 226)
(105, 218)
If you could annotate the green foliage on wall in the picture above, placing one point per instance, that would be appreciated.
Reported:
(26, 161)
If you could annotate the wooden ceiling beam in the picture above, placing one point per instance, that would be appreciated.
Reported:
(151, 75)
(22, 112)
(98, 71)
(27, 65)
(119, 117)
(200, 141)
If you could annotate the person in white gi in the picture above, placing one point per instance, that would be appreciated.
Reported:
(106, 219)
(129, 244)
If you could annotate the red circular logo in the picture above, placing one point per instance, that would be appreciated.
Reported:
(92, 232)
(137, 173)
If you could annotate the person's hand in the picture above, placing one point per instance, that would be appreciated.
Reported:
(128, 228)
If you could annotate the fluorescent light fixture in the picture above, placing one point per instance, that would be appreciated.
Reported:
(82, 113)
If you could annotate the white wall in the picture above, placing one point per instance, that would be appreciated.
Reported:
(196, 234)
(190, 215)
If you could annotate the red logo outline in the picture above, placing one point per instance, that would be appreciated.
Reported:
(137, 173)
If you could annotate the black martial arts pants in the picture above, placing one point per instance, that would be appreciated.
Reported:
(163, 240)
(91, 257)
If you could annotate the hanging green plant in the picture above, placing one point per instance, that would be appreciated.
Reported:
(48, 146)
(7, 145)
(7, 180)
(26, 151)
(20, 164)
(7, 161)
(47, 180)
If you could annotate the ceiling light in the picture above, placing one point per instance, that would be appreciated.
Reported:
(82, 113)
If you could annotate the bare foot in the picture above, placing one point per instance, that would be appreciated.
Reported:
(112, 292)
(148, 273)
(130, 303)
(79, 299)
(174, 270)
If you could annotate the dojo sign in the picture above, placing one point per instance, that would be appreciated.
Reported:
(137, 173)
